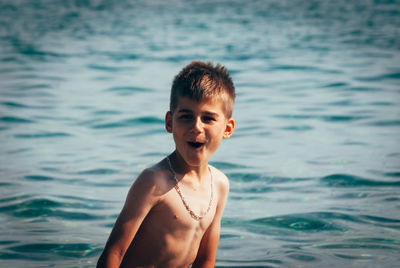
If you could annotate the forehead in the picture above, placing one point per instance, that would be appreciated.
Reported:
(212, 105)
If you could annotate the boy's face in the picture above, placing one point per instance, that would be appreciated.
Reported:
(198, 128)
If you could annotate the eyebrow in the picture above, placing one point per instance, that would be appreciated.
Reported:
(190, 111)
(212, 114)
(184, 111)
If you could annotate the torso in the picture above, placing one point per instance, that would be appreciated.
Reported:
(169, 236)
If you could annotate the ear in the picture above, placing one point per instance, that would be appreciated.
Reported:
(168, 122)
(229, 127)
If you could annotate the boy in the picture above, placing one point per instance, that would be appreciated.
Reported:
(172, 214)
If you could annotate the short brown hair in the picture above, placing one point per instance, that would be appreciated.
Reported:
(199, 80)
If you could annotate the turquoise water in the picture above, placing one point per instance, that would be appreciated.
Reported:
(314, 163)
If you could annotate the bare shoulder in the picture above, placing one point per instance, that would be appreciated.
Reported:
(145, 193)
(221, 181)
(154, 179)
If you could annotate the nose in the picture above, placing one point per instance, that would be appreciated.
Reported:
(197, 126)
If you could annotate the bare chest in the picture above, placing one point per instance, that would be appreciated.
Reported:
(169, 235)
(180, 211)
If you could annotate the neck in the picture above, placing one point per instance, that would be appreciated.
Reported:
(182, 167)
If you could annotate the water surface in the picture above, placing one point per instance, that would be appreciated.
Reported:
(314, 160)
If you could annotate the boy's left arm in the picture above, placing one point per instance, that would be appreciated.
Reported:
(209, 243)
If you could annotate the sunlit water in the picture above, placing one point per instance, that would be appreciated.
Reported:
(314, 160)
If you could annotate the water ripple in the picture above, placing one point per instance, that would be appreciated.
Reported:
(42, 135)
(98, 171)
(38, 178)
(355, 246)
(14, 104)
(302, 257)
(297, 222)
(311, 222)
(131, 122)
(382, 77)
(109, 68)
(14, 119)
(385, 123)
(327, 118)
(336, 84)
(305, 68)
(28, 206)
(381, 221)
(307, 222)
(261, 178)
(392, 174)
(298, 128)
(344, 180)
(314, 79)
(129, 89)
(226, 165)
(76, 250)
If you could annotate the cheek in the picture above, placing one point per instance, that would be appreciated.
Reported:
(177, 137)
(218, 134)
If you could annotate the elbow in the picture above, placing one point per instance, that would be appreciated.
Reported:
(109, 259)
(203, 263)
(101, 263)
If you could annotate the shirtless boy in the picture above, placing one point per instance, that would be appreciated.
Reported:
(172, 214)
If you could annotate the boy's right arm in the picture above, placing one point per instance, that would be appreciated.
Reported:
(142, 196)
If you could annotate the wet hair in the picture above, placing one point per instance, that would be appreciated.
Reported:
(200, 81)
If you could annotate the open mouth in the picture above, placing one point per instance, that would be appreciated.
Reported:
(196, 144)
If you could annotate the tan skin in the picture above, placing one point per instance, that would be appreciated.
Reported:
(154, 229)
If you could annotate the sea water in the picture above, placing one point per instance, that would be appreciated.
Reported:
(314, 162)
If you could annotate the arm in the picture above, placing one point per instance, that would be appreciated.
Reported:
(140, 199)
(209, 243)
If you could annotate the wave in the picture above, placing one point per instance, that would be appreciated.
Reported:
(298, 128)
(227, 165)
(147, 120)
(15, 119)
(389, 76)
(298, 222)
(98, 171)
(129, 89)
(327, 118)
(344, 180)
(109, 68)
(29, 206)
(283, 226)
(307, 222)
(305, 68)
(385, 123)
(392, 174)
(75, 250)
(42, 135)
(13, 104)
(336, 84)
(257, 177)
(38, 178)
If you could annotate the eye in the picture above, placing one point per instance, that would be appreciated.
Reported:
(185, 117)
(208, 119)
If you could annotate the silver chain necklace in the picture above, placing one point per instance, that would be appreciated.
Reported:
(191, 212)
